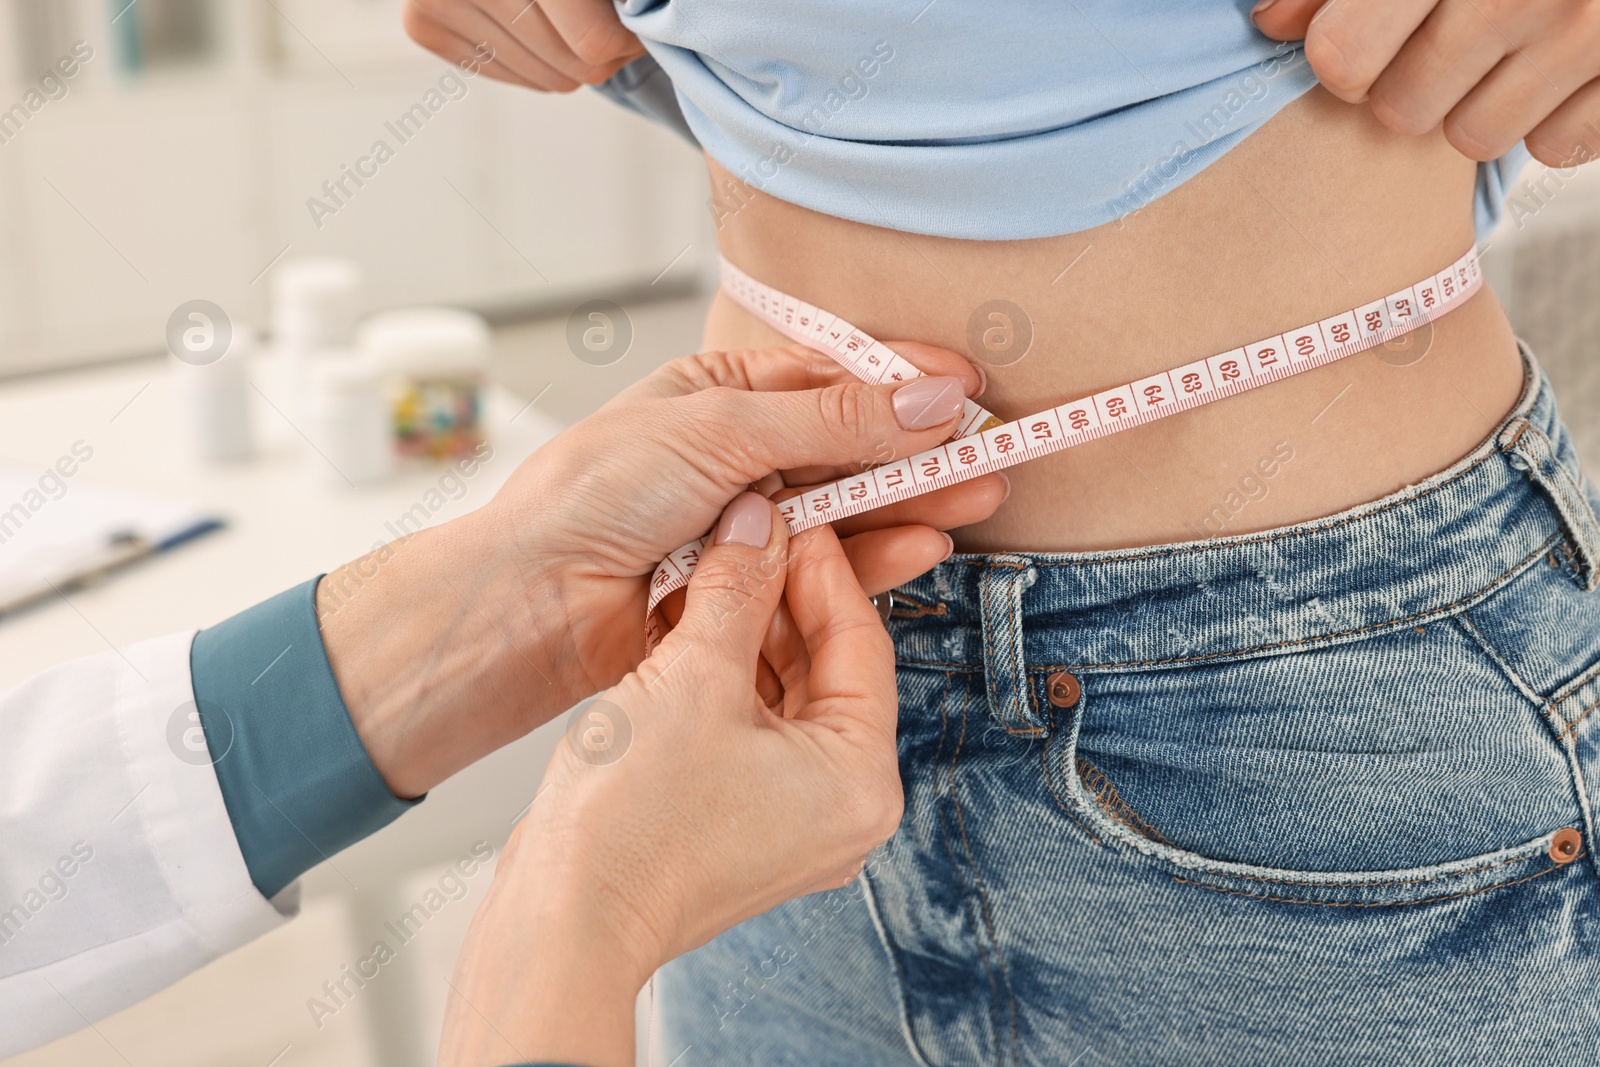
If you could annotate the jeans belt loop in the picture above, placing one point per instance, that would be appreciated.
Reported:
(1012, 701)
(1531, 449)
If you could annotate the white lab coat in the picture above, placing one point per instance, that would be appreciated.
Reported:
(119, 869)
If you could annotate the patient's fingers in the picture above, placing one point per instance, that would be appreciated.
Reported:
(438, 38)
(1285, 20)
(1569, 136)
(1349, 43)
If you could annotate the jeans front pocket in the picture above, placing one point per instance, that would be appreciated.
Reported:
(1398, 769)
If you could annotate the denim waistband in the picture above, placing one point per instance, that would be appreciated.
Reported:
(1421, 553)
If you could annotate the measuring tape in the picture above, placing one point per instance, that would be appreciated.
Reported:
(983, 443)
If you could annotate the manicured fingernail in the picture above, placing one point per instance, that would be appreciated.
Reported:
(1262, 6)
(925, 403)
(983, 379)
(1007, 482)
(950, 547)
(747, 521)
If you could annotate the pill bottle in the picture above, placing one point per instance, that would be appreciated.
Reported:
(435, 360)
(347, 420)
(313, 313)
(215, 400)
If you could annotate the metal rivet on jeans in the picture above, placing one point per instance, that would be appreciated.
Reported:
(884, 602)
(1063, 688)
(1565, 845)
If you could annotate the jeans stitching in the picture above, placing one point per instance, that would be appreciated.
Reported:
(1369, 903)
(1580, 786)
(1577, 683)
(1110, 801)
(1049, 783)
(991, 686)
(949, 846)
(988, 922)
(893, 952)
(1477, 637)
(1584, 520)
(1549, 709)
(983, 896)
(1565, 495)
(1572, 727)
(944, 719)
(1026, 685)
(1014, 667)
(918, 608)
(1442, 608)
(1372, 885)
(1523, 425)
(1211, 869)
(1033, 705)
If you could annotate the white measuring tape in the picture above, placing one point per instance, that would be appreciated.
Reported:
(984, 444)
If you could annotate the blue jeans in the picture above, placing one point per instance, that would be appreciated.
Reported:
(1313, 795)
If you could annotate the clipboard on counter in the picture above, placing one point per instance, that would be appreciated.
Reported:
(57, 534)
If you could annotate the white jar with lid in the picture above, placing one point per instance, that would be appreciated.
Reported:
(435, 360)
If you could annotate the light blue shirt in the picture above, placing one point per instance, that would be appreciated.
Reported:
(1005, 119)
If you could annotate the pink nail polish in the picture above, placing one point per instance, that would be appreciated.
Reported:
(924, 403)
(747, 521)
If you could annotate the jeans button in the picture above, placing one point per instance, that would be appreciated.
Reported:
(1064, 689)
(1565, 845)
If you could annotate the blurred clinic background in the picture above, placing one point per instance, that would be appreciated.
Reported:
(201, 177)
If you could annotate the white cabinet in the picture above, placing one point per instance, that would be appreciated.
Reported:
(414, 237)
(586, 199)
(130, 205)
(140, 190)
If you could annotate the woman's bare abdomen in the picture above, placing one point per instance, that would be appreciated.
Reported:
(1320, 210)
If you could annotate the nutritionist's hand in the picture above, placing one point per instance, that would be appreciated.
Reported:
(517, 611)
(681, 804)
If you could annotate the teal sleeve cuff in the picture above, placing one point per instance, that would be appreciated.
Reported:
(296, 779)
